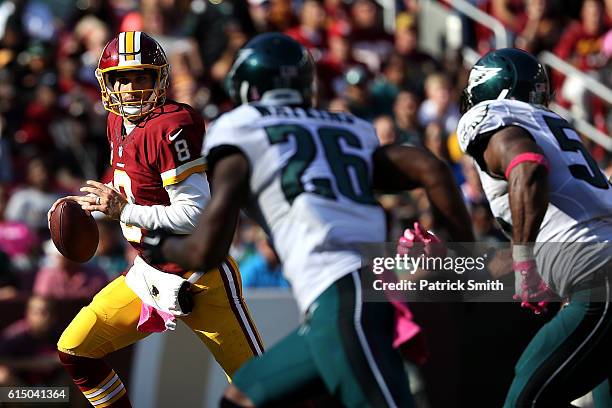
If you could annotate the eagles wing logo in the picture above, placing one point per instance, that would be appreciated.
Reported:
(479, 75)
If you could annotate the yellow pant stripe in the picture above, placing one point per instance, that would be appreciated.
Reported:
(98, 387)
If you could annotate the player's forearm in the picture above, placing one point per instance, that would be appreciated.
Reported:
(528, 195)
(209, 244)
(447, 203)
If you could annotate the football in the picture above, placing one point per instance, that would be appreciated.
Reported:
(73, 231)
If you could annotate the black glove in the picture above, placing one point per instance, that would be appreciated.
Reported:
(152, 245)
(185, 297)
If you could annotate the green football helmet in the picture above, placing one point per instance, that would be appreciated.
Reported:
(507, 73)
(272, 68)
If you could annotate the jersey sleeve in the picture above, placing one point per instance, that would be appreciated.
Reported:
(478, 121)
(179, 152)
(227, 134)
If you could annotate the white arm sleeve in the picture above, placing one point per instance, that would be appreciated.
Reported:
(187, 201)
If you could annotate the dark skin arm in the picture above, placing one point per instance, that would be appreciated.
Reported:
(209, 244)
(400, 168)
(527, 182)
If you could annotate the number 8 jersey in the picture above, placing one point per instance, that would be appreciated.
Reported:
(311, 187)
(161, 150)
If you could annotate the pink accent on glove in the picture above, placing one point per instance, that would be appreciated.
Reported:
(532, 287)
(420, 235)
(153, 320)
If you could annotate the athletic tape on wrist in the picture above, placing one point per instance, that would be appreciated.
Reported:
(522, 253)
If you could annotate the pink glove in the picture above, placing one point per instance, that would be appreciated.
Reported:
(420, 235)
(532, 287)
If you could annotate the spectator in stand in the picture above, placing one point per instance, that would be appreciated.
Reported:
(110, 253)
(335, 10)
(471, 188)
(386, 87)
(8, 279)
(310, 31)
(511, 13)
(236, 38)
(418, 64)
(61, 278)
(542, 29)
(34, 134)
(371, 44)
(282, 15)
(263, 270)
(31, 203)
(581, 45)
(91, 35)
(338, 105)
(385, 130)
(335, 61)
(356, 92)
(30, 346)
(405, 110)
(435, 142)
(17, 241)
(438, 107)
(259, 10)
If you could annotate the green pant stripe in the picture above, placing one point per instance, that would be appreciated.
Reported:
(353, 347)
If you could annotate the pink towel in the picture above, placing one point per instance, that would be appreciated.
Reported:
(408, 337)
(153, 320)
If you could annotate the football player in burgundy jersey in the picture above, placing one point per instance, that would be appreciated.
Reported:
(158, 183)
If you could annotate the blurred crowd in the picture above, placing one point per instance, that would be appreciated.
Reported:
(52, 124)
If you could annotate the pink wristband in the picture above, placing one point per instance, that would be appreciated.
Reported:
(527, 157)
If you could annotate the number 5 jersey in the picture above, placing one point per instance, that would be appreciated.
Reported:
(580, 196)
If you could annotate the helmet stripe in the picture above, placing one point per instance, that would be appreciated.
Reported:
(129, 46)
(121, 47)
(137, 49)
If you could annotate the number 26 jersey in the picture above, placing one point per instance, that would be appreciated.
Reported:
(311, 187)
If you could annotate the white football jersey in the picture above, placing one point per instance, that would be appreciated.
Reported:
(310, 182)
(580, 196)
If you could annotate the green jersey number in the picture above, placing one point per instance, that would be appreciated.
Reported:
(349, 171)
(589, 173)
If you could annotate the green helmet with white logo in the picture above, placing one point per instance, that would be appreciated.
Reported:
(272, 68)
(507, 73)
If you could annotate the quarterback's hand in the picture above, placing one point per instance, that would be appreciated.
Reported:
(152, 244)
(55, 204)
(102, 198)
(420, 235)
(534, 291)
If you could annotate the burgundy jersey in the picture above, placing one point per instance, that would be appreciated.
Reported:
(163, 149)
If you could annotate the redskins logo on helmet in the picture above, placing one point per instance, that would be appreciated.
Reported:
(130, 51)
